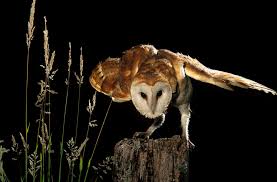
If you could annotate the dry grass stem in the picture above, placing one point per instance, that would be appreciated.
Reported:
(31, 27)
(34, 164)
(44, 138)
(80, 77)
(29, 38)
(25, 145)
(3, 176)
(91, 106)
(74, 151)
(46, 46)
(67, 81)
(15, 148)
(69, 58)
(81, 64)
(104, 167)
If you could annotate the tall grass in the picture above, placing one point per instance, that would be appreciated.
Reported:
(95, 145)
(38, 163)
(67, 81)
(49, 75)
(29, 38)
(91, 124)
(3, 176)
(80, 79)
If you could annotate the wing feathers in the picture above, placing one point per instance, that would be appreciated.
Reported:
(105, 75)
(229, 80)
(196, 70)
(220, 78)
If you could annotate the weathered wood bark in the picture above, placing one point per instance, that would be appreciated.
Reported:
(160, 160)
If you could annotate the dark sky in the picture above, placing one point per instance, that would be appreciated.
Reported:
(234, 132)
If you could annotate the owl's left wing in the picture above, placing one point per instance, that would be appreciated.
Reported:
(196, 70)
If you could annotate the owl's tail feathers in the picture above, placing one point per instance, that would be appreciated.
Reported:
(198, 71)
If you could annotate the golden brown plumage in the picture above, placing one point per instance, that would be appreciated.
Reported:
(196, 70)
(149, 77)
(113, 77)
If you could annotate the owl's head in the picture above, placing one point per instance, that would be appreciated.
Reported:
(151, 100)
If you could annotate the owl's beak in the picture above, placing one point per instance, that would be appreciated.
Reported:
(153, 103)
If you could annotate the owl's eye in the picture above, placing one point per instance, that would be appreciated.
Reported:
(159, 93)
(143, 95)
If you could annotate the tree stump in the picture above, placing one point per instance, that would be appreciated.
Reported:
(159, 160)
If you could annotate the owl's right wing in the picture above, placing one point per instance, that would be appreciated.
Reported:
(105, 79)
(114, 76)
(196, 70)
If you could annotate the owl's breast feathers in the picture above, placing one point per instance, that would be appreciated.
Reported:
(114, 76)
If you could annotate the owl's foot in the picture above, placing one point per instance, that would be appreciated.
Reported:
(190, 145)
(143, 135)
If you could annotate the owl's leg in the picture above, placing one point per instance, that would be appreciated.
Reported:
(185, 118)
(158, 122)
(182, 102)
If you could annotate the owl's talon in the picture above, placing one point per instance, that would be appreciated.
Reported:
(190, 145)
(143, 135)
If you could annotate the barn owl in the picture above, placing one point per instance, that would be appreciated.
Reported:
(152, 79)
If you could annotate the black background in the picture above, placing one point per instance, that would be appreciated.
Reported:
(234, 132)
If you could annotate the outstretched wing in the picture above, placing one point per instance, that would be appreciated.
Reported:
(197, 71)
